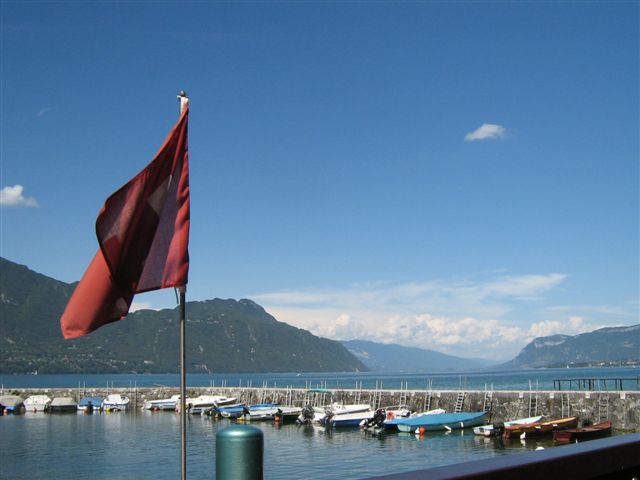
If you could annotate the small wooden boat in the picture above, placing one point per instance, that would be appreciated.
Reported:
(37, 403)
(539, 428)
(495, 429)
(63, 405)
(440, 422)
(587, 432)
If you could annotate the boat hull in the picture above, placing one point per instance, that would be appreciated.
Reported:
(441, 421)
(115, 403)
(539, 428)
(37, 403)
(596, 430)
(63, 405)
(491, 430)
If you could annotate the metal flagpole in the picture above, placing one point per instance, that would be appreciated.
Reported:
(184, 100)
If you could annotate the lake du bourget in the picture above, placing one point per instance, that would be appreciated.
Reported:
(146, 445)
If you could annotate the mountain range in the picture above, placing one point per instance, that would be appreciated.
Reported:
(222, 336)
(602, 346)
(396, 358)
(237, 336)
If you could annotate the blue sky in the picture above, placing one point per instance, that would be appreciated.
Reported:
(449, 175)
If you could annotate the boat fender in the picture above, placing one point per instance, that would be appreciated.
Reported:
(391, 415)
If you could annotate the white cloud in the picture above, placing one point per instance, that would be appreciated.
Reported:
(485, 132)
(13, 197)
(135, 306)
(458, 317)
(43, 111)
(569, 326)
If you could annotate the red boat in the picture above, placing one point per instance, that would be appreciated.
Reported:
(596, 430)
(539, 428)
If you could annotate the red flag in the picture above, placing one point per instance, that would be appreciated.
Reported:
(143, 232)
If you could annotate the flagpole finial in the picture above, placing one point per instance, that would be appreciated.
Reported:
(184, 100)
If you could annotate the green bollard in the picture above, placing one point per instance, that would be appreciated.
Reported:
(239, 453)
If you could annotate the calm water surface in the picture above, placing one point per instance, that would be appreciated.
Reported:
(541, 379)
(144, 445)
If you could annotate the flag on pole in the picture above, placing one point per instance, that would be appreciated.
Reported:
(143, 233)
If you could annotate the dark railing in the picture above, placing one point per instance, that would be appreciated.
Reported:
(605, 459)
(632, 383)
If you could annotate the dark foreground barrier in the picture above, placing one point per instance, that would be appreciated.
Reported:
(239, 453)
(605, 459)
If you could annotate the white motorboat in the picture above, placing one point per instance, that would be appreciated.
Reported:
(204, 402)
(162, 404)
(37, 403)
(115, 402)
(335, 409)
(353, 419)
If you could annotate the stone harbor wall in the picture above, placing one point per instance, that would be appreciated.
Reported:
(621, 407)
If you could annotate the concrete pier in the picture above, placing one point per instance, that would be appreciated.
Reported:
(621, 407)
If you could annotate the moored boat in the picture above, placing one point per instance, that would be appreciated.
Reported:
(63, 405)
(203, 402)
(347, 419)
(539, 428)
(287, 414)
(338, 409)
(587, 432)
(37, 403)
(115, 402)
(392, 420)
(12, 404)
(495, 429)
(233, 410)
(440, 421)
(90, 404)
(162, 403)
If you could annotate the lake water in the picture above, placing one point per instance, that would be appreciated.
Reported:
(144, 445)
(542, 379)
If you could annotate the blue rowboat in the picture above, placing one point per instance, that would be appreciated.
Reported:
(440, 421)
(239, 409)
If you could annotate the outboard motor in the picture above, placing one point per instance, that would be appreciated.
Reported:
(498, 429)
(326, 420)
(379, 417)
(306, 417)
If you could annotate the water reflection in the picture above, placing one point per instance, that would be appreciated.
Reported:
(147, 445)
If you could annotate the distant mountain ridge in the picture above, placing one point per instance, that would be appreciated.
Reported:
(605, 345)
(396, 358)
(222, 336)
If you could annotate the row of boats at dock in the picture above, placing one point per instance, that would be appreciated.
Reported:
(43, 403)
(334, 415)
